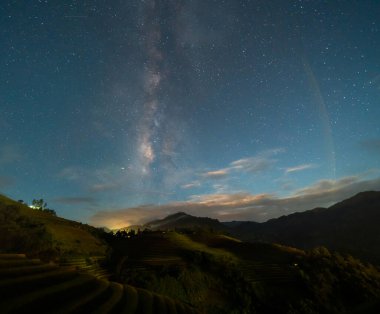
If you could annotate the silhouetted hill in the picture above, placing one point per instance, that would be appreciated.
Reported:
(351, 226)
(182, 220)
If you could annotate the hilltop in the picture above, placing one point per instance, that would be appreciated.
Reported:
(42, 234)
(182, 220)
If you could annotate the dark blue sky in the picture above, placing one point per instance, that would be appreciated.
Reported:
(114, 112)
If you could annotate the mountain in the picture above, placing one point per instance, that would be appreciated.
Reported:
(350, 226)
(182, 220)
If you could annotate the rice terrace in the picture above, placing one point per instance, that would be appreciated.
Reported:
(185, 269)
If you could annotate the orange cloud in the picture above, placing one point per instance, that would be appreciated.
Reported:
(242, 206)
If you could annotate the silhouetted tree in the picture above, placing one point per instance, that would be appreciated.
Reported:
(42, 205)
(39, 204)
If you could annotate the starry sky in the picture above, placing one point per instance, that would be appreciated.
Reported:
(118, 112)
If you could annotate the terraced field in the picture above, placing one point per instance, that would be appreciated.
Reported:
(90, 265)
(259, 262)
(151, 250)
(28, 286)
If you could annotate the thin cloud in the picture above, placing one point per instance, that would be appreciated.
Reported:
(76, 200)
(244, 206)
(299, 168)
(220, 188)
(191, 185)
(217, 174)
(253, 164)
(287, 185)
(101, 187)
(98, 180)
(9, 154)
(70, 174)
(6, 182)
(237, 199)
(371, 145)
(262, 162)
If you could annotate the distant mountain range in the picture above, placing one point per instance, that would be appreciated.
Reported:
(350, 226)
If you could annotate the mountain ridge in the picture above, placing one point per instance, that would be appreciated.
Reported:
(349, 226)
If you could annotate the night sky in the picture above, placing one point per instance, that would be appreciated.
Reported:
(117, 112)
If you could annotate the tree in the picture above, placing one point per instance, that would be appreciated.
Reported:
(42, 205)
(39, 204)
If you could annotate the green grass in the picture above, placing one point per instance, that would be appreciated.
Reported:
(203, 268)
(41, 234)
(185, 242)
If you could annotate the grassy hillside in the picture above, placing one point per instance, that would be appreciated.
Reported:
(42, 234)
(220, 274)
(180, 268)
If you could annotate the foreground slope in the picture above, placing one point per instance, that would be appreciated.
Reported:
(27, 285)
(216, 273)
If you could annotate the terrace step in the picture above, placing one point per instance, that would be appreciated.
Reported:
(129, 302)
(268, 272)
(26, 270)
(116, 294)
(6, 263)
(90, 265)
(11, 256)
(48, 288)
(83, 304)
(49, 297)
(33, 282)
(103, 302)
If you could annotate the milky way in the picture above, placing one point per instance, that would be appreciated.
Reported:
(149, 124)
(229, 109)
